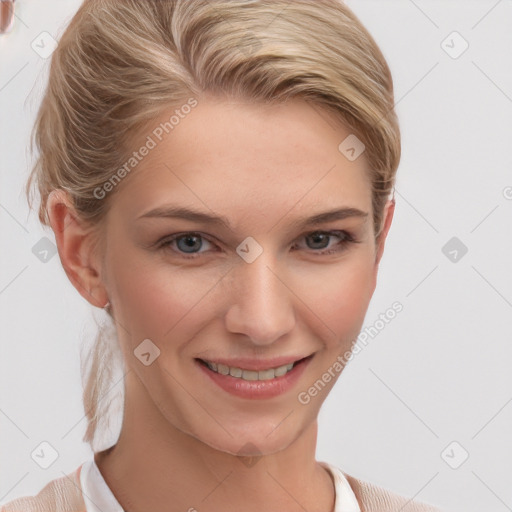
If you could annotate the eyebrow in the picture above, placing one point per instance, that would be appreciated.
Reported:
(181, 212)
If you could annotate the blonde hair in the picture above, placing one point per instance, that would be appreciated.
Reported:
(119, 64)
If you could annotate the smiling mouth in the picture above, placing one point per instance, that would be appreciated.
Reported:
(252, 375)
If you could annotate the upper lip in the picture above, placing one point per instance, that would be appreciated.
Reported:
(246, 363)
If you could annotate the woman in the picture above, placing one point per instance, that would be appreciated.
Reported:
(218, 177)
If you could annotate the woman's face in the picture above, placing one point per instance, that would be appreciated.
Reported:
(257, 290)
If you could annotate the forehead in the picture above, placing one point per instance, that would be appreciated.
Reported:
(227, 153)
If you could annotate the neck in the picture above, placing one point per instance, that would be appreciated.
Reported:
(155, 466)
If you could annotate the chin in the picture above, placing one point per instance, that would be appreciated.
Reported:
(253, 441)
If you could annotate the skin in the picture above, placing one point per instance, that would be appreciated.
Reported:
(262, 167)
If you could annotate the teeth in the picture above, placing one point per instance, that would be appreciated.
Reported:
(280, 371)
(235, 372)
(223, 369)
(266, 374)
(249, 374)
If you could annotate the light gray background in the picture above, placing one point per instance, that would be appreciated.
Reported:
(439, 372)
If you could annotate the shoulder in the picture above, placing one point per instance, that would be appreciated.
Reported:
(63, 494)
(373, 498)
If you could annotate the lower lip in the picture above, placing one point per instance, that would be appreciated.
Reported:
(257, 389)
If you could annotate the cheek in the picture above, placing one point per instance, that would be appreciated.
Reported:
(339, 295)
(159, 301)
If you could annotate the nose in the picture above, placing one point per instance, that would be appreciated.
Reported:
(260, 301)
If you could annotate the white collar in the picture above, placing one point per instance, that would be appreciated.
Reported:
(99, 498)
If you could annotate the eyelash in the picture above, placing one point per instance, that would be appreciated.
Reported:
(346, 239)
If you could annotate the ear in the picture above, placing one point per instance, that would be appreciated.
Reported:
(389, 211)
(76, 246)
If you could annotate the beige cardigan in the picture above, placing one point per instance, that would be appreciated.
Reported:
(65, 495)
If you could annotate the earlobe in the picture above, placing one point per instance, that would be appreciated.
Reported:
(75, 243)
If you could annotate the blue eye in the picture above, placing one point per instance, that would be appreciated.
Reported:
(186, 242)
(320, 237)
(189, 244)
